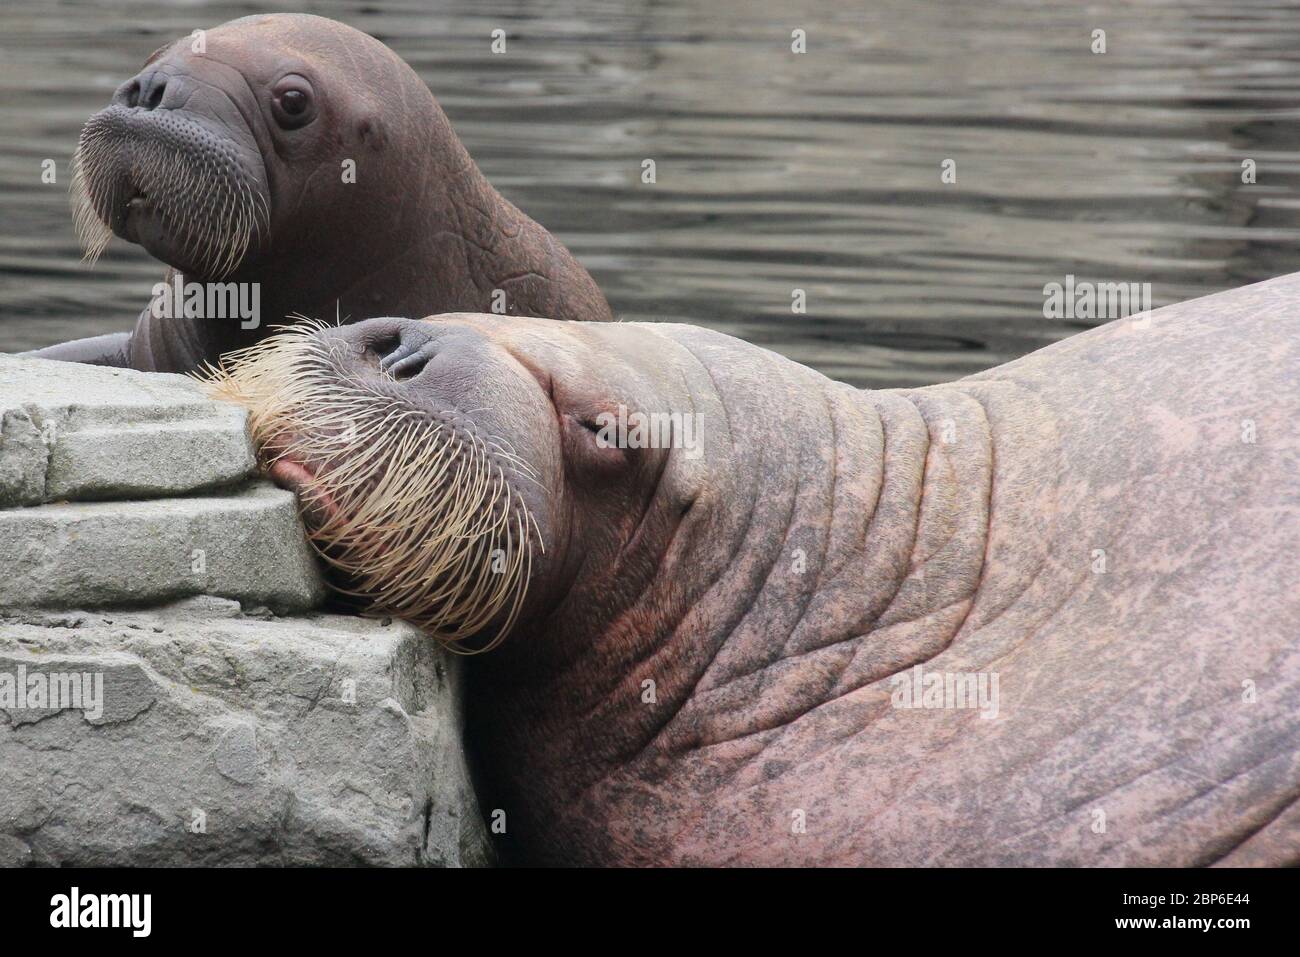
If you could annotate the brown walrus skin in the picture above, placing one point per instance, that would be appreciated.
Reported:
(201, 146)
(1108, 526)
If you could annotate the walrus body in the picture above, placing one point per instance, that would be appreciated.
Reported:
(714, 656)
(303, 156)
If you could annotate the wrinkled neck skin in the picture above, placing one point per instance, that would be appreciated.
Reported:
(424, 232)
(841, 540)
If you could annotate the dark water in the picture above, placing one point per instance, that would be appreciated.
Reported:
(775, 170)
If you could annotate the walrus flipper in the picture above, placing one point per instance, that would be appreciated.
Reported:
(107, 350)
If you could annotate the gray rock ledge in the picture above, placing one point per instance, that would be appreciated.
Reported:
(168, 695)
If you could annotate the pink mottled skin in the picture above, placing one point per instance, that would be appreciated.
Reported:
(1109, 525)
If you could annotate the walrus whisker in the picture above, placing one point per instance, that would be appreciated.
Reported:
(425, 522)
(93, 233)
(213, 236)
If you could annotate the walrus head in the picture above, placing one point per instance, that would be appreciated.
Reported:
(459, 471)
(232, 143)
(451, 470)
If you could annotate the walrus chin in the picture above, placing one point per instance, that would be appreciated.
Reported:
(180, 189)
(416, 514)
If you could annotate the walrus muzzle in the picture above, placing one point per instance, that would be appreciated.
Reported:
(177, 185)
(416, 514)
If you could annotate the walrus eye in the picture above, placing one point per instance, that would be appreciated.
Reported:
(593, 451)
(292, 102)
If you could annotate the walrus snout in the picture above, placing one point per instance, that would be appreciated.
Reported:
(421, 497)
(451, 358)
(389, 347)
(171, 165)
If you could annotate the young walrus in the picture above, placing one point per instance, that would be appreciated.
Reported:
(1043, 615)
(307, 164)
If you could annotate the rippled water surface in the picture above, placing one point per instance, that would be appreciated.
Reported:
(776, 171)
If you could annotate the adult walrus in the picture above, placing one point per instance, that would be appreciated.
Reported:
(715, 647)
(300, 154)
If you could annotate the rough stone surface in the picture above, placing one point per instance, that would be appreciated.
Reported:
(85, 432)
(136, 546)
(244, 543)
(320, 739)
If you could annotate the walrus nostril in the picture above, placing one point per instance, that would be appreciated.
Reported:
(147, 90)
(402, 359)
(406, 362)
